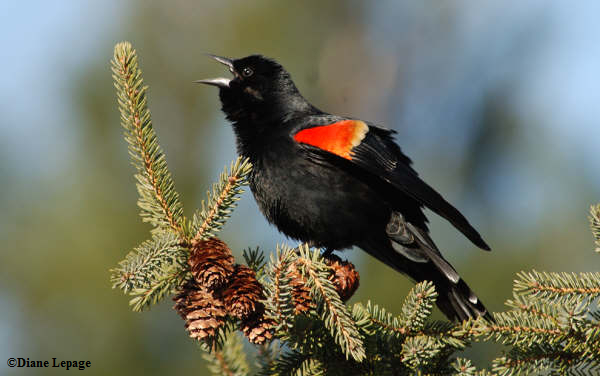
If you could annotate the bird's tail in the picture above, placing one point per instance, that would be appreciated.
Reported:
(458, 302)
(409, 250)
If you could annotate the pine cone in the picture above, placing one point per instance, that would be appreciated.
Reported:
(300, 292)
(242, 296)
(258, 329)
(345, 278)
(211, 263)
(203, 313)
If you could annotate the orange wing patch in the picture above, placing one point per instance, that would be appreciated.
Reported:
(338, 138)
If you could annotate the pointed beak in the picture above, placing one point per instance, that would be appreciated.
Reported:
(223, 60)
(220, 82)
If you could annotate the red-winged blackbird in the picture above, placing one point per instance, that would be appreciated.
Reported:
(336, 182)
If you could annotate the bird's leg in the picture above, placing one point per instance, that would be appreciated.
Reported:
(397, 229)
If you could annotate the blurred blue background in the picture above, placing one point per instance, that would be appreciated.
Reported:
(496, 102)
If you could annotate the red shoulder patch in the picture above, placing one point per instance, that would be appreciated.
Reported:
(337, 138)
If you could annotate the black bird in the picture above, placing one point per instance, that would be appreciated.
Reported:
(336, 182)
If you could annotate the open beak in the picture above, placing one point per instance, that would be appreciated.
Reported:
(220, 82)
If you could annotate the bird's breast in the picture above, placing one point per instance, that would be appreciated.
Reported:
(311, 201)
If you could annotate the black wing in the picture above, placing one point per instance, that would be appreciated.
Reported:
(379, 159)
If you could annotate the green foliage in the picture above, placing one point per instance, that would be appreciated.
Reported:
(552, 325)
(463, 367)
(158, 267)
(221, 200)
(417, 306)
(571, 289)
(330, 308)
(230, 362)
(279, 302)
(158, 199)
(293, 363)
(255, 260)
(595, 224)
(140, 267)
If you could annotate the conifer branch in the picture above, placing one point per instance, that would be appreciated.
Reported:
(559, 287)
(332, 310)
(293, 363)
(524, 329)
(221, 200)
(230, 360)
(418, 351)
(383, 321)
(255, 260)
(535, 360)
(464, 367)
(278, 303)
(145, 264)
(418, 306)
(161, 287)
(595, 224)
(547, 311)
(158, 199)
(267, 356)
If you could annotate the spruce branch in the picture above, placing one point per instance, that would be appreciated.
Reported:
(161, 287)
(267, 355)
(279, 303)
(412, 322)
(158, 199)
(418, 351)
(464, 367)
(521, 328)
(331, 309)
(417, 306)
(383, 321)
(255, 259)
(292, 363)
(595, 224)
(230, 360)
(559, 288)
(145, 264)
(221, 200)
(537, 359)
(535, 307)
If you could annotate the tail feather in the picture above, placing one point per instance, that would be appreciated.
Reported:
(421, 262)
(459, 302)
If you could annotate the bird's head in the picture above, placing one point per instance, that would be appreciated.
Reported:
(260, 88)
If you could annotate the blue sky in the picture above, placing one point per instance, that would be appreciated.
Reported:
(549, 51)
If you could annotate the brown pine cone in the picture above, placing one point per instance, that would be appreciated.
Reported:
(345, 277)
(211, 263)
(300, 292)
(242, 296)
(258, 329)
(202, 312)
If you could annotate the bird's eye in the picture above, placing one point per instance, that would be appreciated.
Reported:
(247, 72)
